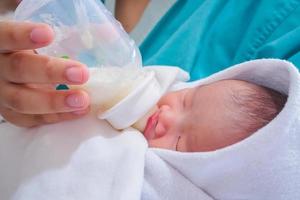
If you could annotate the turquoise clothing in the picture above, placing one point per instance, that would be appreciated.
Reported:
(206, 36)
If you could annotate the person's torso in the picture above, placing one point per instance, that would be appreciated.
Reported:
(203, 37)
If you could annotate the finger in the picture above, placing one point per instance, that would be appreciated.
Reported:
(24, 35)
(25, 120)
(34, 101)
(41, 86)
(25, 67)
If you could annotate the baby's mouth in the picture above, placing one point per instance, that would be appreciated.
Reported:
(149, 131)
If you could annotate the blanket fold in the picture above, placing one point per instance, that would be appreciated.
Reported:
(82, 159)
(88, 159)
(263, 166)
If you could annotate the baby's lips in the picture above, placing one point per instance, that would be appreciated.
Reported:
(149, 131)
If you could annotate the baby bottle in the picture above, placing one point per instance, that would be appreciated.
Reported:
(87, 32)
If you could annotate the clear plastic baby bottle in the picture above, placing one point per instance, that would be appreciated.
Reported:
(84, 30)
(87, 32)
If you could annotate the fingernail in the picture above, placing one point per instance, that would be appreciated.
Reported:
(75, 74)
(41, 35)
(76, 100)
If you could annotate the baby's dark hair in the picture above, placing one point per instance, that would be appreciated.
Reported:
(257, 106)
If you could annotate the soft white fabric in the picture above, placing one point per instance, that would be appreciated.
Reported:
(87, 159)
(82, 159)
(264, 166)
(162, 181)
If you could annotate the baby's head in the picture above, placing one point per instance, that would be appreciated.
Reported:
(212, 116)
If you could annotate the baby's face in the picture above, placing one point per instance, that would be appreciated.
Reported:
(193, 120)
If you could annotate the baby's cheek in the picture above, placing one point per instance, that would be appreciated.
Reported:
(163, 143)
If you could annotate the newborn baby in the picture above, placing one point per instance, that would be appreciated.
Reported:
(213, 116)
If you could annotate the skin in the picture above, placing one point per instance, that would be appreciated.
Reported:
(129, 12)
(27, 80)
(196, 119)
(6, 5)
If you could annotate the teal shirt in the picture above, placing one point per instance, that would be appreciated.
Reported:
(206, 36)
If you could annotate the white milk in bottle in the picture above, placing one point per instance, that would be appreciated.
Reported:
(87, 32)
(109, 85)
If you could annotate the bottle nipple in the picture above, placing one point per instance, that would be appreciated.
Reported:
(142, 122)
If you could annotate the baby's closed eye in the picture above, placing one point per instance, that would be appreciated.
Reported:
(177, 143)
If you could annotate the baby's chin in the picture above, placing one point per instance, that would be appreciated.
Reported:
(161, 144)
(142, 122)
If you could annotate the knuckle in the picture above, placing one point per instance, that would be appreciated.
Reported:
(13, 36)
(9, 35)
(38, 119)
(50, 119)
(17, 70)
(53, 102)
(49, 69)
(15, 101)
(16, 119)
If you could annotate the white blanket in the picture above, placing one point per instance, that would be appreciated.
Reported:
(82, 159)
(264, 166)
(87, 159)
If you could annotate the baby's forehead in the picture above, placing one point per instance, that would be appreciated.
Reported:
(216, 99)
(225, 88)
(227, 83)
(213, 90)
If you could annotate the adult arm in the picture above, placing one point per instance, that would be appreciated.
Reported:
(6, 5)
(129, 12)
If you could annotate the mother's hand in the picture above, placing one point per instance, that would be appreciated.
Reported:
(27, 80)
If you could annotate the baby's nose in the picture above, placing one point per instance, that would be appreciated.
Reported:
(165, 120)
(160, 129)
(164, 108)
